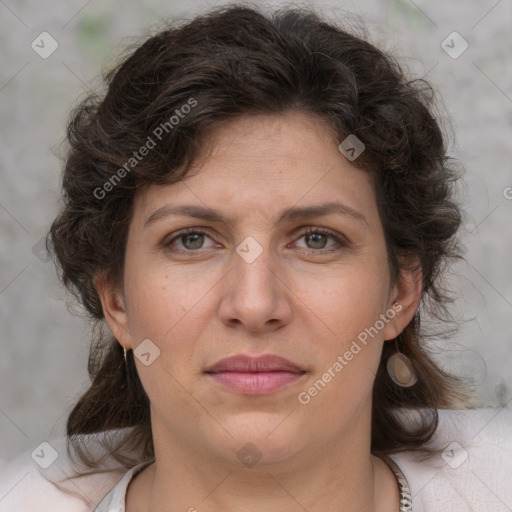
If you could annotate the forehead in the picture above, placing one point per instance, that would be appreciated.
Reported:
(290, 137)
(264, 162)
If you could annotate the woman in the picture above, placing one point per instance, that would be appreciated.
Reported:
(260, 210)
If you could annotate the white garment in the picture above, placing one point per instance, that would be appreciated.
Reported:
(474, 473)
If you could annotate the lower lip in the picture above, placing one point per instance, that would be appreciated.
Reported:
(256, 383)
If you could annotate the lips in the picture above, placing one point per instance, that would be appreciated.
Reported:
(261, 375)
(247, 364)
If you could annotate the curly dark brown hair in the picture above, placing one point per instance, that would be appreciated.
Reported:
(238, 61)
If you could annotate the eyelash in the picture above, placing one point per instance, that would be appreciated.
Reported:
(339, 239)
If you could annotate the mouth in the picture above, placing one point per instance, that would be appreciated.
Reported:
(255, 375)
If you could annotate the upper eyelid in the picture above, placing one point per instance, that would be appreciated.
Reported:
(182, 232)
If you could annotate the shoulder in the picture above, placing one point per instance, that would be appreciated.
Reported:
(473, 468)
(44, 480)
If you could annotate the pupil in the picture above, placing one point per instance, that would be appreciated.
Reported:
(196, 238)
(315, 238)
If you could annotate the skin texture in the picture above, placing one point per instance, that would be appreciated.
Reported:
(295, 299)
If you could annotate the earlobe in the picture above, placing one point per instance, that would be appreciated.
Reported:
(406, 293)
(114, 310)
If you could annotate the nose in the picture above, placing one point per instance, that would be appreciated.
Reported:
(255, 296)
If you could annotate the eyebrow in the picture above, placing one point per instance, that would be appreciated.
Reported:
(288, 214)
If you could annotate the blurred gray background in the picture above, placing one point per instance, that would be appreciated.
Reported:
(45, 348)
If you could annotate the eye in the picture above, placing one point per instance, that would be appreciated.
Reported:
(316, 240)
(187, 240)
(190, 240)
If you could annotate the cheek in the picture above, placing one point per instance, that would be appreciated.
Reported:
(160, 300)
(170, 309)
(347, 352)
(347, 305)
(346, 299)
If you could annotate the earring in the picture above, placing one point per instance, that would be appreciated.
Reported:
(124, 353)
(399, 366)
(401, 371)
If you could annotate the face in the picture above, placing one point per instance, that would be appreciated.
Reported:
(261, 269)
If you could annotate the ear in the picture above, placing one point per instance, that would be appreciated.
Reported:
(114, 309)
(404, 300)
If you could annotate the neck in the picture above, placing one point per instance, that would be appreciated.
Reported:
(337, 474)
(325, 484)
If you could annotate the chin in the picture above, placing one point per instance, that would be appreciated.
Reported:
(265, 437)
